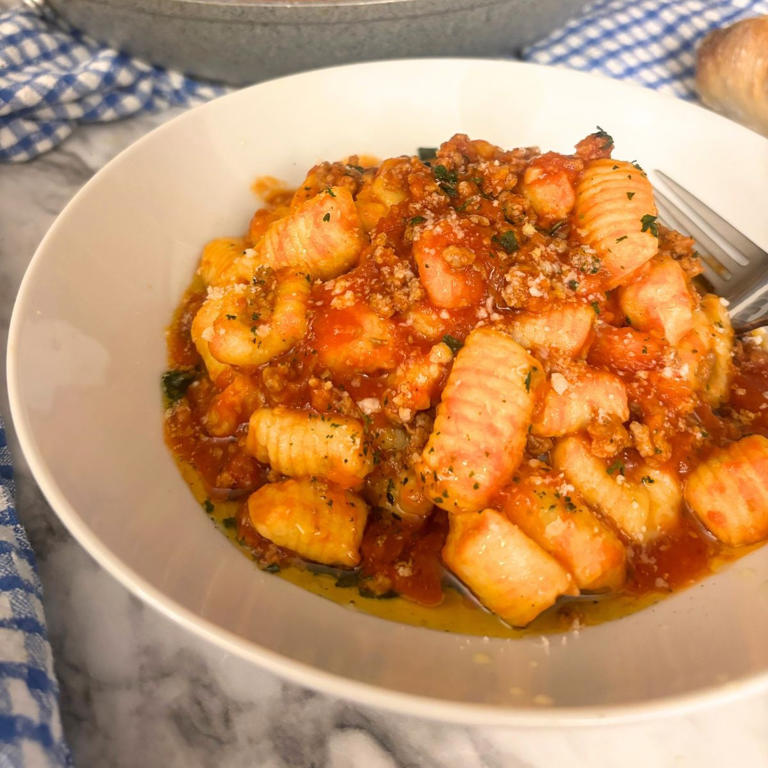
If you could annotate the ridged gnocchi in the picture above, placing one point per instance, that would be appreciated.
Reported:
(568, 530)
(509, 573)
(643, 510)
(482, 422)
(323, 235)
(314, 519)
(728, 491)
(616, 214)
(251, 324)
(577, 396)
(659, 299)
(565, 330)
(305, 444)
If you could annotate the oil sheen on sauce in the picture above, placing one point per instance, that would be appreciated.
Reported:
(459, 611)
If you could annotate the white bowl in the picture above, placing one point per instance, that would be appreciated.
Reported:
(87, 348)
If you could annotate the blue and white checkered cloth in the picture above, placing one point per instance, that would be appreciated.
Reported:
(650, 42)
(52, 78)
(30, 726)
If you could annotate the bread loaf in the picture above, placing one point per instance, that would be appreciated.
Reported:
(732, 72)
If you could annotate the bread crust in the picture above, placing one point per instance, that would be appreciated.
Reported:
(732, 72)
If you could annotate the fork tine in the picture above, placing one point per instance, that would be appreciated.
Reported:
(730, 235)
(675, 217)
(704, 237)
(720, 267)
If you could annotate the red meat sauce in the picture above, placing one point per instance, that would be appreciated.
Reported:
(401, 556)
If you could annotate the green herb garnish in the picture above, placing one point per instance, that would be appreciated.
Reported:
(454, 343)
(176, 382)
(507, 240)
(528, 378)
(441, 173)
(650, 225)
(608, 139)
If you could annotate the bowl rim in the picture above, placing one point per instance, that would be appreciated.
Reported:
(301, 673)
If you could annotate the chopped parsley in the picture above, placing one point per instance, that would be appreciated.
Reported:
(327, 217)
(607, 138)
(573, 284)
(596, 307)
(452, 342)
(630, 195)
(441, 173)
(271, 568)
(649, 224)
(528, 378)
(176, 382)
(648, 480)
(427, 153)
(358, 168)
(416, 220)
(507, 240)
(208, 506)
(623, 237)
(617, 466)
(330, 192)
(446, 180)
(390, 488)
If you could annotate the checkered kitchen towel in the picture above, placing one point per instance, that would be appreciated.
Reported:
(650, 42)
(30, 727)
(52, 78)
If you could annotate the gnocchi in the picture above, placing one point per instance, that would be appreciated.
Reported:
(473, 369)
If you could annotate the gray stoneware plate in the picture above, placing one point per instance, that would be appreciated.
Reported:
(87, 348)
(246, 41)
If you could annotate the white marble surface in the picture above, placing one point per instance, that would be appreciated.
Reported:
(139, 691)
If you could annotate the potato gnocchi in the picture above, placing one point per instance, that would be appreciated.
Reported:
(473, 369)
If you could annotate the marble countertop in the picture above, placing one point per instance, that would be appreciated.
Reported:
(139, 690)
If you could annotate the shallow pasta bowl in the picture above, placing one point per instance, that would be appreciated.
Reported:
(87, 348)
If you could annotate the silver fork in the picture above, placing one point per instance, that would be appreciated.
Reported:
(736, 268)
